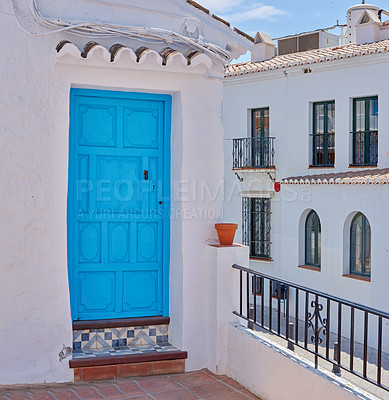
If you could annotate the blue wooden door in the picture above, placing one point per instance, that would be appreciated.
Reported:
(118, 204)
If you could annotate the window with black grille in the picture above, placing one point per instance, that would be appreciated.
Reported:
(365, 131)
(256, 226)
(323, 136)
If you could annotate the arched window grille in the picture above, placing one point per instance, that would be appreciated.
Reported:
(360, 246)
(312, 240)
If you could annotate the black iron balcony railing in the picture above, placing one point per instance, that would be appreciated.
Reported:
(365, 148)
(348, 335)
(323, 149)
(255, 152)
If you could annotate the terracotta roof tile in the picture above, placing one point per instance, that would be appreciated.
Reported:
(198, 6)
(223, 21)
(87, 48)
(309, 57)
(206, 11)
(243, 34)
(369, 176)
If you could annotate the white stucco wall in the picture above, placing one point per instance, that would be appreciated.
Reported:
(223, 299)
(289, 94)
(273, 373)
(34, 292)
(263, 366)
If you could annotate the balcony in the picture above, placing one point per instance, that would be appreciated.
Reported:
(344, 337)
(365, 148)
(256, 152)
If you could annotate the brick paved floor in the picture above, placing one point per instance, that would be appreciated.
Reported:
(189, 386)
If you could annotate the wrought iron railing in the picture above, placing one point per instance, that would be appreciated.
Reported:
(332, 329)
(323, 149)
(365, 148)
(257, 152)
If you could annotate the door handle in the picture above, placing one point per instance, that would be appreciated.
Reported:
(146, 174)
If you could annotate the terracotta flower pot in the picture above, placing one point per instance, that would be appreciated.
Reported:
(226, 233)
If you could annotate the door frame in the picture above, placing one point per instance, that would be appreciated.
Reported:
(166, 192)
(264, 144)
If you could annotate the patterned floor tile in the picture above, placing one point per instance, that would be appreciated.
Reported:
(121, 336)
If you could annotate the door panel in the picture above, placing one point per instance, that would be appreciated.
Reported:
(89, 242)
(119, 242)
(118, 207)
(117, 183)
(142, 127)
(141, 291)
(97, 126)
(148, 241)
(102, 283)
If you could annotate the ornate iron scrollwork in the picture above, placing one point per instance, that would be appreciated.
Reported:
(322, 326)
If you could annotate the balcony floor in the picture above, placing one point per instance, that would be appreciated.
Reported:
(189, 386)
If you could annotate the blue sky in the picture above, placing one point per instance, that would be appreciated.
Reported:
(281, 17)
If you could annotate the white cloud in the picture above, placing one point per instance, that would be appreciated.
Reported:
(243, 10)
(259, 12)
(222, 6)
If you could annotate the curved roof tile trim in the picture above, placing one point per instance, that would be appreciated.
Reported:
(309, 57)
(166, 56)
(366, 177)
(114, 50)
(166, 53)
(87, 48)
(60, 45)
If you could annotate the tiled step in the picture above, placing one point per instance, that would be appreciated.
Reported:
(120, 332)
(112, 349)
(125, 354)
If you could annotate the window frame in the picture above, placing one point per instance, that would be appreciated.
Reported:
(366, 235)
(260, 150)
(262, 112)
(256, 222)
(258, 289)
(317, 239)
(257, 285)
(367, 131)
(326, 135)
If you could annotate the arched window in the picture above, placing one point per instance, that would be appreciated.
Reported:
(360, 245)
(312, 240)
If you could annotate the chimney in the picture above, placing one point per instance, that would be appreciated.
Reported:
(264, 48)
(363, 24)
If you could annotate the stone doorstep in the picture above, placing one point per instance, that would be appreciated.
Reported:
(121, 322)
(127, 359)
(128, 366)
(96, 342)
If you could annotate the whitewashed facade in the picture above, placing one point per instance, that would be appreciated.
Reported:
(288, 86)
(45, 53)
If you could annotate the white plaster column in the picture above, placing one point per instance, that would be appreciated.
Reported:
(223, 299)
